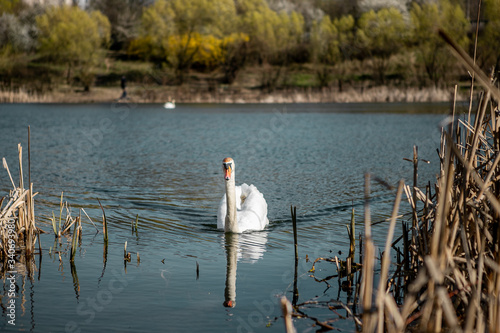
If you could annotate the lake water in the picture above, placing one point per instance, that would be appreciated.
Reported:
(165, 166)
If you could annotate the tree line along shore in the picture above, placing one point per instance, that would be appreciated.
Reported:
(241, 51)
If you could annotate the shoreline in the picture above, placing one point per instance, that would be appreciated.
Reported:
(189, 94)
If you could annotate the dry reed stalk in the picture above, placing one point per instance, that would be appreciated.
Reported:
(104, 224)
(97, 230)
(134, 227)
(369, 320)
(293, 211)
(286, 308)
(60, 214)
(381, 299)
(352, 236)
(18, 215)
(74, 242)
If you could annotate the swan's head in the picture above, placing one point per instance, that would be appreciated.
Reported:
(228, 167)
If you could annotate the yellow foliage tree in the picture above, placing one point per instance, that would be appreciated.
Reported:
(223, 52)
(177, 31)
(210, 54)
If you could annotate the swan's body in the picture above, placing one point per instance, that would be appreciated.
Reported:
(169, 104)
(242, 208)
(251, 209)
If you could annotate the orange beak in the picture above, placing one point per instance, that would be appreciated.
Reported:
(227, 173)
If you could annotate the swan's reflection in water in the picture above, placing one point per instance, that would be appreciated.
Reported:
(246, 248)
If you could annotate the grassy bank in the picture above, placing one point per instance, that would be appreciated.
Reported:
(348, 82)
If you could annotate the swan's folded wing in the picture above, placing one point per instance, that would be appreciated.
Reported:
(239, 195)
(253, 213)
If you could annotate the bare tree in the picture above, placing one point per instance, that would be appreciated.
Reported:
(124, 16)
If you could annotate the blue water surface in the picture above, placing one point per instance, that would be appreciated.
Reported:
(164, 166)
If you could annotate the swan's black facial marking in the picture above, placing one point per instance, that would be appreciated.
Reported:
(228, 170)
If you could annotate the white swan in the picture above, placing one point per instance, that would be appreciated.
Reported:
(243, 207)
(170, 104)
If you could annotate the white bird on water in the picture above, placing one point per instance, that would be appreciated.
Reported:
(242, 208)
(170, 104)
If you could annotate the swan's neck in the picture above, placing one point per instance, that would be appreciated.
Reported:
(231, 224)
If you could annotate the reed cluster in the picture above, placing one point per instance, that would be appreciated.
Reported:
(18, 232)
(447, 274)
(451, 265)
(22, 95)
(62, 225)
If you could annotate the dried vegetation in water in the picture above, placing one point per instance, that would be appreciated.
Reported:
(447, 275)
(18, 233)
